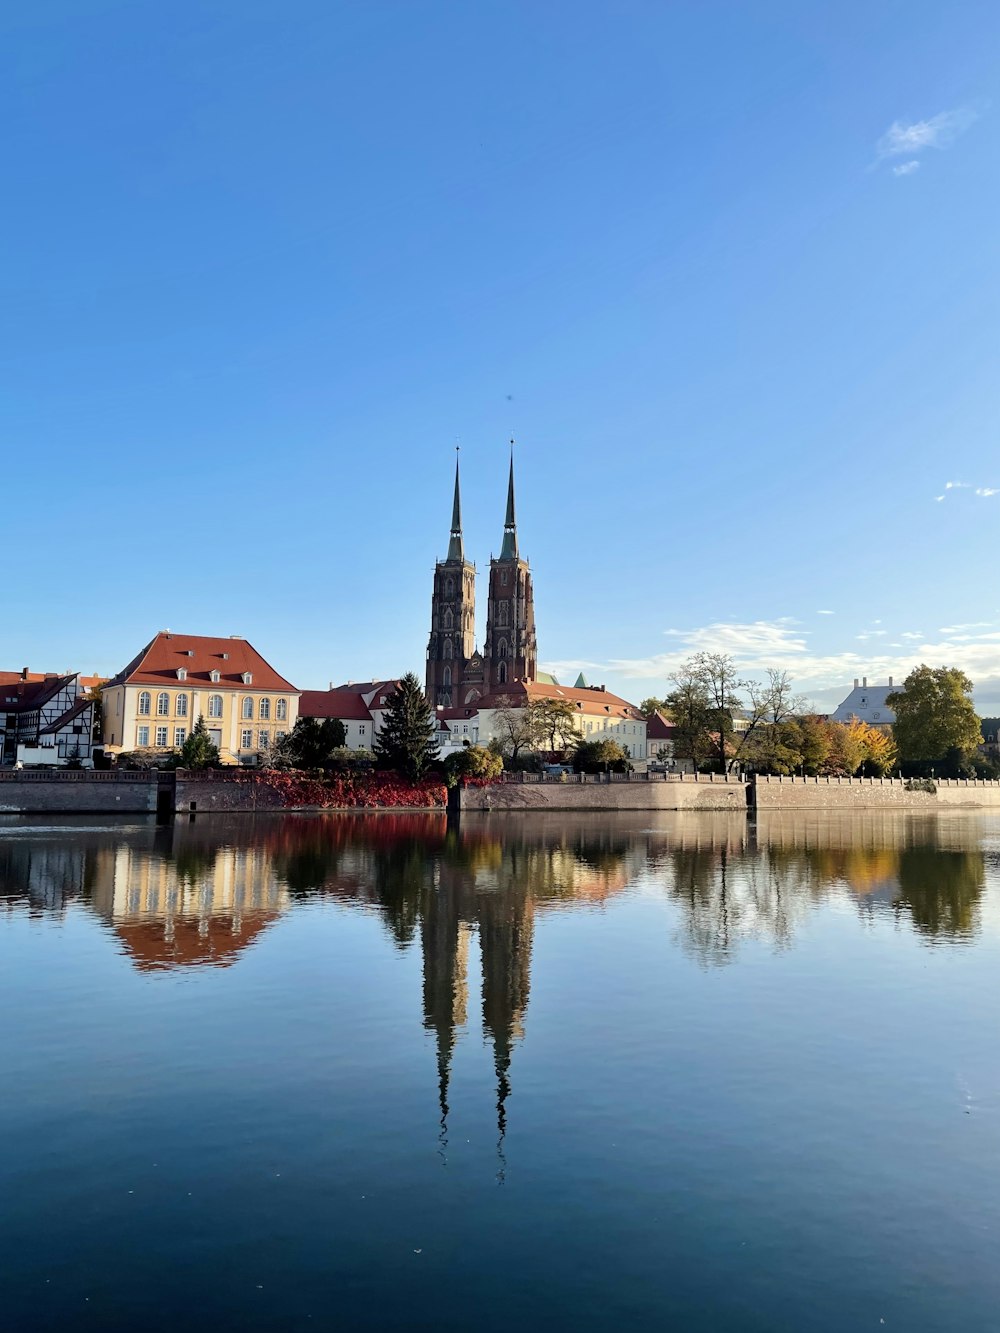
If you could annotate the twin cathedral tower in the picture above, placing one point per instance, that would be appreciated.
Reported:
(458, 674)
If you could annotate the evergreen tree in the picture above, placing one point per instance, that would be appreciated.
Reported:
(312, 741)
(198, 750)
(406, 742)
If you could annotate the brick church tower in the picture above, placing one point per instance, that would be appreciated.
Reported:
(454, 668)
(511, 650)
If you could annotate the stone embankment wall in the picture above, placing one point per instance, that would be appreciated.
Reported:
(673, 793)
(872, 794)
(77, 793)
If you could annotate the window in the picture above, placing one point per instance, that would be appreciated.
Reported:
(361, 728)
(247, 678)
(502, 613)
(214, 677)
(502, 648)
(502, 673)
(163, 704)
(448, 650)
(448, 619)
(247, 707)
(279, 736)
(503, 577)
(142, 737)
(161, 737)
(265, 710)
(449, 587)
(215, 705)
(446, 678)
(246, 739)
(182, 673)
(145, 703)
(263, 739)
(182, 705)
(281, 710)
(180, 736)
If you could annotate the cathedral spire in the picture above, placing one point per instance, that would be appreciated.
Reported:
(509, 549)
(456, 549)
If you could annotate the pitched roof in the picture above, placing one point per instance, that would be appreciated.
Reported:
(24, 695)
(347, 705)
(658, 728)
(594, 699)
(199, 655)
(70, 715)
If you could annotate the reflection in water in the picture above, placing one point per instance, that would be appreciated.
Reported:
(200, 893)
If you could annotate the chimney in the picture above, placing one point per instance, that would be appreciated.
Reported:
(24, 673)
(864, 681)
(890, 680)
(855, 682)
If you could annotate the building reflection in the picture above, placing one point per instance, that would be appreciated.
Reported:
(200, 894)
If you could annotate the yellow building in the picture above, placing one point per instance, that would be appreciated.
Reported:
(156, 700)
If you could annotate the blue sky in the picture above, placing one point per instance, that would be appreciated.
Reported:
(266, 263)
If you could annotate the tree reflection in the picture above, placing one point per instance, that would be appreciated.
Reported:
(941, 890)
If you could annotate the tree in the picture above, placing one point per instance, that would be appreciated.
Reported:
(934, 716)
(474, 762)
(516, 727)
(198, 750)
(312, 742)
(407, 741)
(653, 705)
(687, 704)
(553, 720)
(708, 697)
(597, 756)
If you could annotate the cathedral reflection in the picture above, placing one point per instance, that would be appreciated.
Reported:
(198, 894)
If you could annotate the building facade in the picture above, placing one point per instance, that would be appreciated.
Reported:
(154, 703)
(866, 703)
(45, 719)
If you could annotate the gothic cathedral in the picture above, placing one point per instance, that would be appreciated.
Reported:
(457, 673)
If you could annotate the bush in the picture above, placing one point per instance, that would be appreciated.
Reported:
(474, 762)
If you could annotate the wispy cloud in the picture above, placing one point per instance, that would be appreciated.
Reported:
(987, 491)
(910, 140)
(984, 492)
(958, 485)
(760, 644)
(825, 613)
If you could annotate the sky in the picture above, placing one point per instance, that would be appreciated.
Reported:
(727, 273)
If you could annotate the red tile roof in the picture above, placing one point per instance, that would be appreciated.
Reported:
(659, 729)
(158, 662)
(29, 694)
(593, 700)
(347, 705)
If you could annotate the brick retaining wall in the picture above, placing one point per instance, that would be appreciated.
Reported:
(673, 794)
(77, 793)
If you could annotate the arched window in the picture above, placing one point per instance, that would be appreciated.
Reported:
(446, 678)
(182, 705)
(265, 710)
(281, 710)
(215, 705)
(502, 613)
(247, 707)
(448, 619)
(502, 648)
(502, 673)
(145, 703)
(448, 650)
(449, 587)
(162, 704)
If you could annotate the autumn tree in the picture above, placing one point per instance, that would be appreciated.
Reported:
(515, 727)
(599, 756)
(708, 697)
(553, 722)
(407, 743)
(654, 705)
(472, 762)
(935, 719)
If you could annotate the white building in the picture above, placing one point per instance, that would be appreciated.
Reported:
(867, 703)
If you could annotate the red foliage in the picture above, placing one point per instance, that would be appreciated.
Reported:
(352, 791)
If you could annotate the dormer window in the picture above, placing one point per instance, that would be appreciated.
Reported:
(214, 677)
(224, 656)
(247, 677)
(190, 652)
(182, 673)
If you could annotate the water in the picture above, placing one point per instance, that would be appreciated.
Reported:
(543, 1072)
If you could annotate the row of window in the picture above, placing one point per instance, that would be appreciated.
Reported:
(263, 706)
(161, 738)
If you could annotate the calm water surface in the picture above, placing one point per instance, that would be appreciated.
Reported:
(548, 1072)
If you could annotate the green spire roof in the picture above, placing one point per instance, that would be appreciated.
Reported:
(456, 549)
(509, 549)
